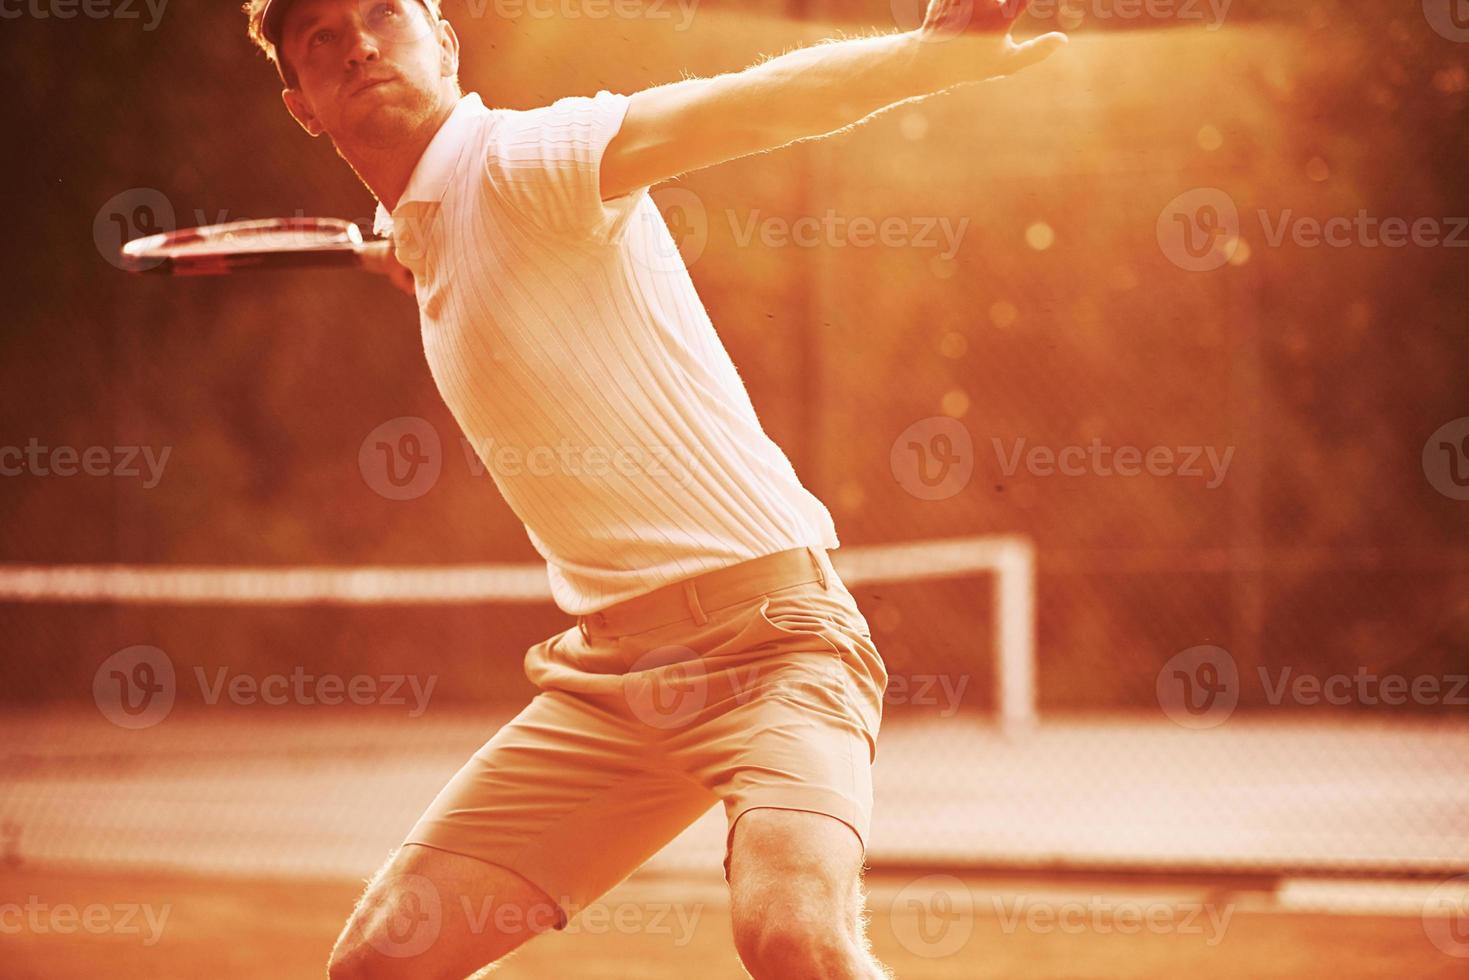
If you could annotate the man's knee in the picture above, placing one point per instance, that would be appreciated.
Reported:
(348, 962)
(778, 941)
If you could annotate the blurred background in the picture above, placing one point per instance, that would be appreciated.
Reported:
(1144, 422)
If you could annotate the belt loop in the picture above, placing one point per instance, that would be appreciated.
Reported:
(692, 596)
(820, 565)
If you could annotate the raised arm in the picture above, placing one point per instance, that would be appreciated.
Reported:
(811, 92)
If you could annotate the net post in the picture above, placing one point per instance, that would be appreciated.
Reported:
(1015, 654)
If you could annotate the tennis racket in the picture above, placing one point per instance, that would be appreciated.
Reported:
(240, 246)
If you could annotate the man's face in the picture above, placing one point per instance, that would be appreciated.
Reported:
(367, 72)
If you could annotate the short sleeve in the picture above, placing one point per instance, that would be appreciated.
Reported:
(545, 165)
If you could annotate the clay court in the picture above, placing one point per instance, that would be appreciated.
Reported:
(244, 928)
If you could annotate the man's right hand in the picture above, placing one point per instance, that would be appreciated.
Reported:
(986, 25)
(378, 257)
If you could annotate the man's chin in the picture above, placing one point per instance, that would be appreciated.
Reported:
(381, 126)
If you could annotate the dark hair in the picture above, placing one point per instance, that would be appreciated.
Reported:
(255, 13)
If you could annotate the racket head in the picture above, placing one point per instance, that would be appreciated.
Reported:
(236, 246)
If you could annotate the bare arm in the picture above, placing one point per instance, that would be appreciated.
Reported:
(811, 92)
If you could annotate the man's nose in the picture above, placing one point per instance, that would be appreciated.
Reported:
(364, 49)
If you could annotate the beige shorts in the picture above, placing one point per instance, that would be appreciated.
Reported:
(757, 685)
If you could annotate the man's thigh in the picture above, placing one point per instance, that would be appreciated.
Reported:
(568, 796)
(429, 913)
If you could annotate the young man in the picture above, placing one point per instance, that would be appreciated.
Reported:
(716, 656)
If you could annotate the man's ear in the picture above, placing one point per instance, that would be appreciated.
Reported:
(301, 110)
(448, 50)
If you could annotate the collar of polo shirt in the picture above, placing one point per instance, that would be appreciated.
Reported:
(430, 178)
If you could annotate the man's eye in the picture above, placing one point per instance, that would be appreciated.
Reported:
(320, 37)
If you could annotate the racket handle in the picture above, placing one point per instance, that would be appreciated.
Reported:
(376, 256)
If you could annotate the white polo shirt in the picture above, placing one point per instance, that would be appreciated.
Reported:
(566, 336)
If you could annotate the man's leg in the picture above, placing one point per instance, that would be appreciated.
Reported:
(796, 897)
(428, 913)
(564, 802)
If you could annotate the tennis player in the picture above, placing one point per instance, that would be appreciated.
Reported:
(716, 656)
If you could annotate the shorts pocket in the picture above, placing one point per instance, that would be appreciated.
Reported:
(788, 619)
